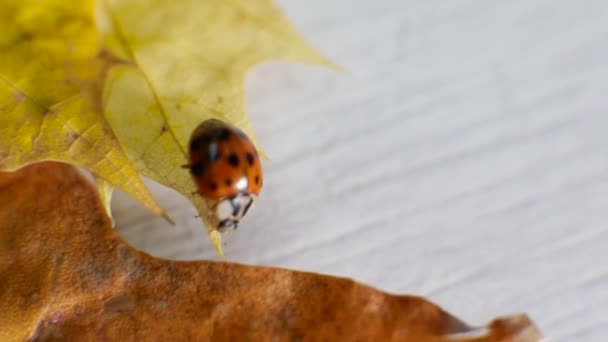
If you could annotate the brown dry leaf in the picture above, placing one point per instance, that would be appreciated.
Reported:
(66, 275)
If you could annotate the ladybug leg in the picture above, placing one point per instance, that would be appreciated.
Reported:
(186, 166)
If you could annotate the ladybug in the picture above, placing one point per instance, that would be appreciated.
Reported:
(226, 169)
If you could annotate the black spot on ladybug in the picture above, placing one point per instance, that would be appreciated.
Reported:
(199, 142)
(250, 158)
(257, 179)
(197, 169)
(233, 159)
(224, 134)
(213, 186)
(228, 182)
(195, 145)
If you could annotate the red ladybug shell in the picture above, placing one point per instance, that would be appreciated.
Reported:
(223, 161)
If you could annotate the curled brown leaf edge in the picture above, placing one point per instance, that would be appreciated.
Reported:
(65, 274)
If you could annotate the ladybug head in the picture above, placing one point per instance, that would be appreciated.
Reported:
(230, 210)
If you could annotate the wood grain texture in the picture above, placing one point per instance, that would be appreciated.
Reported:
(461, 156)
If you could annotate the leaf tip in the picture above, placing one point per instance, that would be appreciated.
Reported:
(216, 240)
(105, 190)
(331, 65)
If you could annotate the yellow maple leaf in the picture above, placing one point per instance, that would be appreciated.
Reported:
(185, 62)
(50, 100)
(122, 94)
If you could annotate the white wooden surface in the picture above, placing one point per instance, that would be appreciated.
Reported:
(462, 156)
